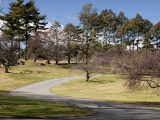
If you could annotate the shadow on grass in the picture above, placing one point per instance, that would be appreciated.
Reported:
(21, 107)
(102, 81)
(147, 104)
(30, 72)
(43, 107)
(66, 65)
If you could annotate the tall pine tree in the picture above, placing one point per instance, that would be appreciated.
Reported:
(33, 21)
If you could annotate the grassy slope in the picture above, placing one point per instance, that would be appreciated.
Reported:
(33, 72)
(17, 107)
(109, 87)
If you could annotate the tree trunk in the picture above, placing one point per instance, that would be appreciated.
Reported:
(69, 54)
(137, 47)
(87, 75)
(48, 61)
(105, 38)
(26, 51)
(129, 42)
(35, 59)
(122, 39)
(109, 40)
(87, 60)
(133, 45)
(7, 64)
(6, 69)
(57, 62)
(19, 54)
(57, 49)
(138, 42)
(69, 60)
(157, 45)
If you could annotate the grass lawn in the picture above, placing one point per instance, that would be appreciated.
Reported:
(108, 87)
(17, 107)
(33, 72)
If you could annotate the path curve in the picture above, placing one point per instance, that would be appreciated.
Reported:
(102, 110)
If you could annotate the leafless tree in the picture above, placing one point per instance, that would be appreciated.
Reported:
(41, 45)
(8, 52)
(95, 65)
(58, 36)
(140, 67)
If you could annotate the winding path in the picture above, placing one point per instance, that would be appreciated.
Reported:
(102, 110)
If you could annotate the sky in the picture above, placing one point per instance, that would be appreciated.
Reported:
(67, 11)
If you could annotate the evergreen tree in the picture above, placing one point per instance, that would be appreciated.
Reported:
(16, 11)
(155, 33)
(87, 16)
(22, 19)
(147, 40)
(108, 24)
(70, 33)
(32, 20)
(121, 18)
(121, 30)
(135, 26)
(7, 40)
(138, 27)
(13, 19)
(147, 34)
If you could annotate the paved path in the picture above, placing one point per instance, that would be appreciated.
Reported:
(102, 110)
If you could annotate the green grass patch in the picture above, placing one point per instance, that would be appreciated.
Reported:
(108, 87)
(18, 107)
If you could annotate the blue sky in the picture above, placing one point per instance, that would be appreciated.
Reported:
(66, 11)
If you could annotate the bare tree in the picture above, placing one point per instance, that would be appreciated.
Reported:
(8, 50)
(140, 67)
(57, 35)
(36, 46)
(95, 65)
(42, 46)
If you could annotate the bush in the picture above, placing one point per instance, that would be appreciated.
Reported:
(140, 66)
